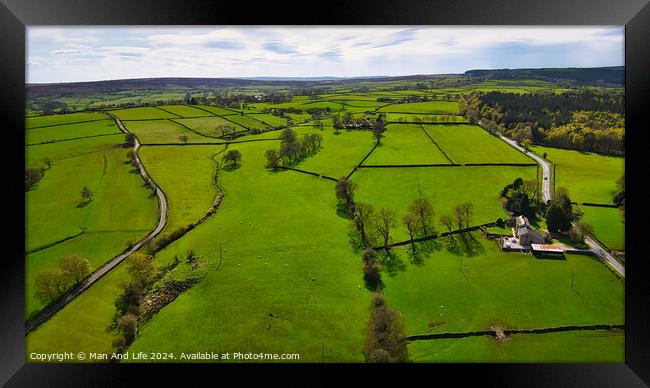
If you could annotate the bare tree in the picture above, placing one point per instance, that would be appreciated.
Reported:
(363, 213)
(448, 222)
(423, 211)
(411, 222)
(384, 222)
(468, 212)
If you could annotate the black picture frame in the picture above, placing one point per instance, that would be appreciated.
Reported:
(634, 14)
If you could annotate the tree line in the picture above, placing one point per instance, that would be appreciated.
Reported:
(293, 149)
(586, 120)
(52, 283)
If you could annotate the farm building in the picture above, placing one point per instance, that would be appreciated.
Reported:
(525, 233)
(548, 249)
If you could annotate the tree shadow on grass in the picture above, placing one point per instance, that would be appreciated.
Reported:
(470, 246)
(232, 167)
(391, 262)
(83, 204)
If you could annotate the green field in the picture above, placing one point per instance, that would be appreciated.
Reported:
(209, 126)
(571, 347)
(70, 131)
(445, 187)
(44, 121)
(186, 176)
(339, 153)
(269, 119)
(282, 271)
(120, 212)
(589, 177)
(414, 117)
(477, 286)
(164, 131)
(184, 110)
(142, 113)
(406, 144)
(248, 122)
(218, 110)
(608, 225)
(429, 107)
(282, 294)
(471, 144)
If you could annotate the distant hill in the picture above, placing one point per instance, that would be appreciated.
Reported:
(614, 75)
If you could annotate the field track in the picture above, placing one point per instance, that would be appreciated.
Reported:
(50, 310)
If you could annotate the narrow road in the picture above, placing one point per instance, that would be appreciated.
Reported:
(546, 192)
(45, 314)
(546, 167)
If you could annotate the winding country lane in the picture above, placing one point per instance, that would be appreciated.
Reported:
(46, 313)
(546, 192)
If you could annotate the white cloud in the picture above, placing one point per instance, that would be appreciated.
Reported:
(134, 52)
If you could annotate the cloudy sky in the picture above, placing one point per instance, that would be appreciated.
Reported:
(68, 54)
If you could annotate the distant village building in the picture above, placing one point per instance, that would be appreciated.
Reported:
(525, 234)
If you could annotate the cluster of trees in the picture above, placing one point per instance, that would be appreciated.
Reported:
(281, 112)
(142, 273)
(560, 216)
(385, 338)
(347, 120)
(584, 120)
(619, 197)
(520, 197)
(50, 108)
(404, 100)
(52, 283)
(33, 175)
(293, 149)
(235, 100)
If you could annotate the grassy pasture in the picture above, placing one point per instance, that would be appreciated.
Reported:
(208, 125)
(608, 225)
(248, 122)
(284, 293)
(217, 110)
(471, 144)
(589, 177)
(445, 187)
(42, 121)
(406, 144)
(478, 286)
(412, 117)
(269, 119)
(579, 347)
(121, 210)
(340, 153)
(142, 113)
(70, 131)
(429, 107)
(35, 155)
(186, 176)
(184, 110)
(164, 131)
